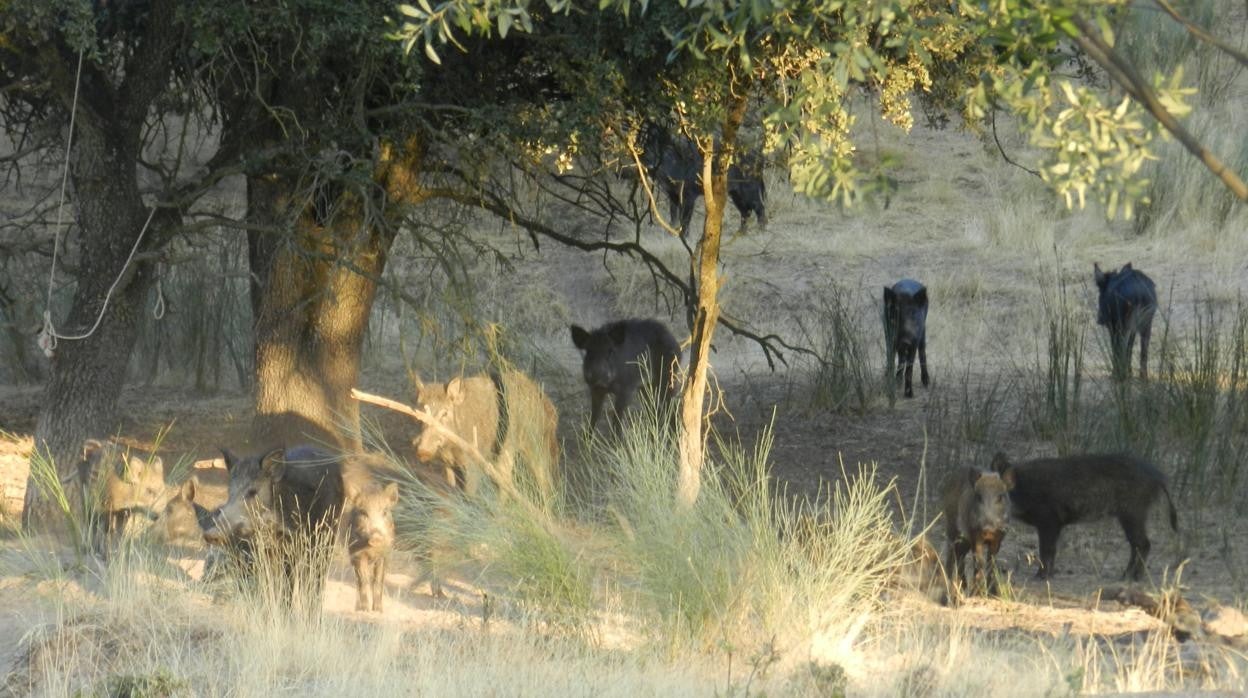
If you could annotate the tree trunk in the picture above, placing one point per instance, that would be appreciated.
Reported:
(705, 263)
(87, 375)
(313, 294)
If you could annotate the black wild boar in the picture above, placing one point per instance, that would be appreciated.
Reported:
(905, 328)
(123, 491)
(976, 508)
(506, 417)
(1051, 493)
(370, 538)
(1126, 305)
(287, 495)
(747, 189)
(617, 355)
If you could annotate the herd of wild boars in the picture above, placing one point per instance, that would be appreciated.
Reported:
(1048, 493)
(500, 428)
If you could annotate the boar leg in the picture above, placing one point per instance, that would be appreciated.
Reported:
(954, 555)
(363, 582)
(379, 582)
(923, 364)
(597, 397)
(1048, 549)
(991, 570)
(620, 400)
(909, 371)
(1146, 334)
(1137, 538)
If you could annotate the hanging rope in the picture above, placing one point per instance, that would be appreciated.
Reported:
(48, 335)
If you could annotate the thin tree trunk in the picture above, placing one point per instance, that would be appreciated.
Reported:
(692, 445)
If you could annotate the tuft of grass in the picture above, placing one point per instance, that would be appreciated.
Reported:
(1053, 405)
(842, 378)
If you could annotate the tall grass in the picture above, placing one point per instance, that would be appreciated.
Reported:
(746, 592)
(842, 376)
(1053, 406)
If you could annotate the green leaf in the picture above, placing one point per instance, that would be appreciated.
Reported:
(1106, 31)
(412, 11)
(504, 24)
(431, 54)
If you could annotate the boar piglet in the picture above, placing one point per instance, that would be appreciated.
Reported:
(1051, 493)
(370, 538)
(123, 491)
(184, 520)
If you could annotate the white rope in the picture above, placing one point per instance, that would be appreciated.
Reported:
(48, 335)
(158, 312)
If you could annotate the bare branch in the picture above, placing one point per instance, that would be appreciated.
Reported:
(1001, 149)
(1203, 35)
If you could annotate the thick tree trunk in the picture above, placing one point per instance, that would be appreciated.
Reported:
(87, 375)
(705, 263)
(313, 294)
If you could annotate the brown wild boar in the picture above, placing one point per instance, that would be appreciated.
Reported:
(123, 491)
(976, 508)
(370, 538)
(1051, 493)
(507, 417)
(183, 522)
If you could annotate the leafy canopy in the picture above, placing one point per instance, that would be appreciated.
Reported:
(809, 59)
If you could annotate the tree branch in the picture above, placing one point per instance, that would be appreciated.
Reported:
(1001, 149)
(1201, 34)
(1125, 74)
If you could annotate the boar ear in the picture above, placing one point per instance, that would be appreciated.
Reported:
(999, 462)
(890, 297)
(973, 474)
(1009, 477)
(156, 465)
(455, 390)
(921, 296)
(274, 464)
(187, 491)
(1097, 275)
(230, 459)
(391, 490)
(133, 468)
(619, 333)
(579, 336)
(1126, 267)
